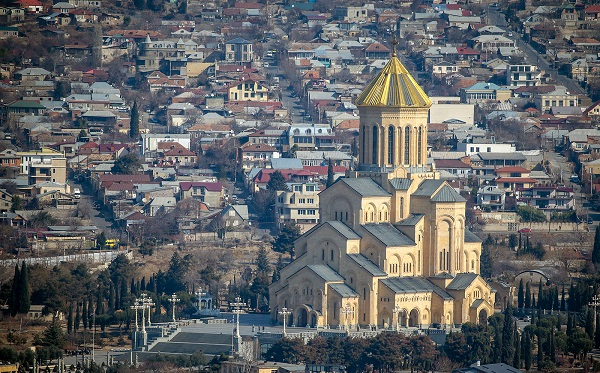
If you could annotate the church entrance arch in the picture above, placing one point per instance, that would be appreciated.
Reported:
(302, 318)
(413, 318)
(403, 318)
(483, 316)
(313, 320)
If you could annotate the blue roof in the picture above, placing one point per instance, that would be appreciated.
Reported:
(367, 265)
(483, 86)
(404, 285)
(366, 187)
(388, 235)
(286, 164)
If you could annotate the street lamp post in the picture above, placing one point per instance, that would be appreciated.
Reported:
(146, 303)
(284, 312)
(237, 309)
(174, 300)
(595, 303)
(347, 310)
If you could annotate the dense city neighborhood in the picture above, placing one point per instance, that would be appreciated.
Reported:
(274, 187)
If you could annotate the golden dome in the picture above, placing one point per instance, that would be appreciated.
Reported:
(395, 87)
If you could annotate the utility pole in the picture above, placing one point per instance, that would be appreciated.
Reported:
(284, 312)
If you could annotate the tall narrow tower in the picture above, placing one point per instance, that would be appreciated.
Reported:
(393, 120)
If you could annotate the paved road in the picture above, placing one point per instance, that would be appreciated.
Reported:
(531, 55)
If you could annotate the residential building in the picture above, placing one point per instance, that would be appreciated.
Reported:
(491, 43)
(454, 167)
(5, 201)
(248, 90)
(150, 141)
(475, 145)
(444, 68)
(238, 50)
(8, 32)
(546, 197)
(522, 75)
(211, 193)
(391, 247)
(560, 96)
(308, 136)
(351, 13)
(256, 155)
(491, 197)
(299, 205)
(10, 158)
(484, 92)
(154, 54)
(44, 165)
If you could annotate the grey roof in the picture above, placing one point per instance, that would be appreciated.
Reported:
(442, 275)
(447, 194)
(238, 41)
(462, 281)
(477, 303)
(286, 163)
(388, 235)
(365, 187)
(471, 237)
(413, 219)
(344, 290)
(325, 272)
(401, 183)
(367, 265)
(511, 156)
(404, 285)
(428, 188)
(343, 229)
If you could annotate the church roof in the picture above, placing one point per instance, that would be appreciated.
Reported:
(368, 265)
(477, 303)
(388, 235)
(395, 87)
(462, 281)
(344, 230)
(344, 290)
(365, 186)
(325, 272)
(404, 285)
(447, 194)
(428, 188)
(401, 183)
(471, 237)
(413, 219)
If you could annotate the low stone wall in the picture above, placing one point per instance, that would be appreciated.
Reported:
(537, 227)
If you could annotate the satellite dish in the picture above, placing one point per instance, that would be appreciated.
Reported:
(144, 200)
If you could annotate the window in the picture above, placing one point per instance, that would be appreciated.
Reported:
(297, 188)
(375, 136)
(407, 145)
(310, 200)
(332, 255)
(419, 145)
(310, 188)
(390, 145)
(311, 212)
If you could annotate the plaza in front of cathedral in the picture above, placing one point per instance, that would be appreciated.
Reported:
(391, 249)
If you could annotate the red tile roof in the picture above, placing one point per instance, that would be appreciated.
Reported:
(516, 180)
(322, 170)
(258, 147)
(450, 163)
(138, 178)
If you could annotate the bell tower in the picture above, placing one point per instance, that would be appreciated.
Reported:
(393, 120)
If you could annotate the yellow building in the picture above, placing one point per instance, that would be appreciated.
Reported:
(248, 90)
(44, 165)
(391, 248)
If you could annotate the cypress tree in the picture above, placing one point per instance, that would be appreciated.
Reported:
(70, 320)
(77, 322)
(597, 333)
(517, 356)
(84, 314)
(330, 174)
(596, 249)
(521, 296)
(14, 297)
(508, 345)
(556, 303)
(143, 284)
(497, 351)
(123, 292)
(558, 325)
(532, 303)
(278, 267)
(527, 296)
(134, 122)
(563, 304)
(540, 352)
(526, 341)
(552, 346)
(569, 325)
(24, 296)
(589, 323)
(111, 297)
(132, 288)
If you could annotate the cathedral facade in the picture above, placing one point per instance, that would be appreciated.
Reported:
(391, 248)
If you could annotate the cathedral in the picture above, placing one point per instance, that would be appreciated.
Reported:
(391, 249)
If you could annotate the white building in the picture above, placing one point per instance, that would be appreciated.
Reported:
(150, 141)
(300, 205)
(522, 75)
(474, 146)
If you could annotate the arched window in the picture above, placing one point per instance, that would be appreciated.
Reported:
(391, 139)
(419, 144)
(407, 145)
(374, 160)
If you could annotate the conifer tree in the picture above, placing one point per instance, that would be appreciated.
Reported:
(24, 296)
(589, 323)
(14, 297)
(508, 345)
(597, 332)
(263, 267)
(123, 292)
(596, 249)
(517, 355)
(526, 349)
(563, 303)
(134, 122)
(111, 297)
(528, 296)
(552, 346)
(278, 267)
(84, 314)
(330, 174)
(540, 352)
(70, 320)
(143, 284)
(569, 325)
(521, 296)
(77, 321)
